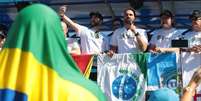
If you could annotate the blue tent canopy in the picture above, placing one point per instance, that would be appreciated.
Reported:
(148, 14)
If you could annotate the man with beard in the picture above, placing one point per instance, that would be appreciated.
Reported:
(92, 40)
(194, 36)
(129, 38)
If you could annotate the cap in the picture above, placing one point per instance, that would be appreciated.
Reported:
(195, 15)
(97, 14)
(164, 94)
(166, 13)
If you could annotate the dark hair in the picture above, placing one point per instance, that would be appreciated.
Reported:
(167, 13)
(130, 8)
(22, 4)
(97, 14)
(195, 14)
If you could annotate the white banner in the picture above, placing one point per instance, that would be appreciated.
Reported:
(190, 63)
(121, 77)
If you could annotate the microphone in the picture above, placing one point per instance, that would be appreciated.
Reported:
(130, 21)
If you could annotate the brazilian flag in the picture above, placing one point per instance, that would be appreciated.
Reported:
(34, 65)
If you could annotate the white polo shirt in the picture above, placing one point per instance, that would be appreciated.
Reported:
(193, 37)
(162, 37)
(126, 41)
(91, 42)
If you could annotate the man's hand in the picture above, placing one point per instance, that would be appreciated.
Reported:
(62, 10)
(196, 49)
(196, 77)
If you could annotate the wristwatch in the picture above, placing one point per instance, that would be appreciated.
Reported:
(136, 34)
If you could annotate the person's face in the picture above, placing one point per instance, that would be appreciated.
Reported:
(95, 21)
(129, 17)
(166, 22)
(65, 28)
(196, 24)
(116, 24)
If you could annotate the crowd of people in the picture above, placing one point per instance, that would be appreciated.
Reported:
(126, 37)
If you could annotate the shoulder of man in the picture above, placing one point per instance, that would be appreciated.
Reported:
(120, 29)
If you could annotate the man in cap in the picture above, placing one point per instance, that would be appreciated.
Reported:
(194, 83)
(194, 36)
(92, 40)
(161, 38)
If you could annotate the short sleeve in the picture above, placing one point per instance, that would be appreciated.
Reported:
(82, 30)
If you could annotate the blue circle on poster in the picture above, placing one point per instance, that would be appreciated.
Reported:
(126, 90)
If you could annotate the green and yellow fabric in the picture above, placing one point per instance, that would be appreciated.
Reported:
(34, 65)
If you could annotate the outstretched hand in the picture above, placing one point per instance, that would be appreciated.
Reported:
(62, 10)
(196, 78)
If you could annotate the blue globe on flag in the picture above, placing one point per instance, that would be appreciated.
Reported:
(124, 87)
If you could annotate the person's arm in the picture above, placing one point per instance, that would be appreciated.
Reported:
(142, 44)
(72, 24)
(176, 50)
(190, 90)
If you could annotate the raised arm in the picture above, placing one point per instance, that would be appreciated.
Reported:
(140, 37)
(190, 90)
(72, 24)
(141, 42)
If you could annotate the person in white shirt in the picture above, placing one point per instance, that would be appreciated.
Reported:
(161, 38)
(72, 43)
(194, 36)
(92, 40)
(129, 38)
